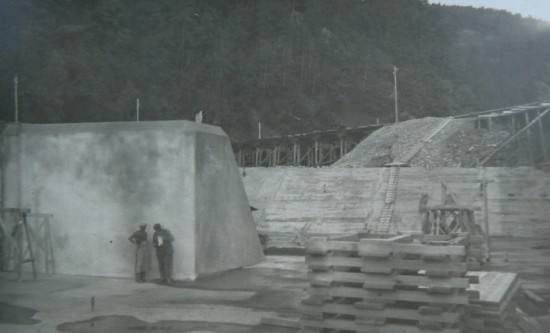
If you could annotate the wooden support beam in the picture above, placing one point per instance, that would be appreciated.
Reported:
(316, 150)
(484, 185)
(529, 140)
(542, 139)
(514, 145)
(513, 137)
(275, 158)
(29, 246)
(294, 154)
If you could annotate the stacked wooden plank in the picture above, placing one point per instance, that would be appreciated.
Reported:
(495, 310)
(384, 283)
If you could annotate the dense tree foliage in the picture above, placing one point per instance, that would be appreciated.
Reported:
(294, 65)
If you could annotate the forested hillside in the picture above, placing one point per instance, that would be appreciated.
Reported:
(294, 65)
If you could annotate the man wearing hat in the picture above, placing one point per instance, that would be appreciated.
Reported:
(140, 239)
(162, 242)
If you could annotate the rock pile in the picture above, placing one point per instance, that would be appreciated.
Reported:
(389, 143)
(458, 144)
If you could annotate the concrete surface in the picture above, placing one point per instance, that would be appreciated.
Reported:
(100, 180)
(234, 301)
(315, 200)
(339, 200)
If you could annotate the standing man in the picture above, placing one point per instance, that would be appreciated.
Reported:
(140, 239)
(162, 242)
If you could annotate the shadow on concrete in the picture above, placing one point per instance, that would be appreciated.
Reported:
(18, 315)
(129, 324)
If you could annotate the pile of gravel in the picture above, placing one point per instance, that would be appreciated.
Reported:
(389, 144)
(458, 144)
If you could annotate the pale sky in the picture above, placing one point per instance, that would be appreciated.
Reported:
(539, 9)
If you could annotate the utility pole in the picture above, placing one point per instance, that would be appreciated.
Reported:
(395, 92)
(15, 82)
(137, 109)
(259, 130)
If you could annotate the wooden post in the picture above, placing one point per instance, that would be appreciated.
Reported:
(49, 259)
(29, 244)
(18, 258)
(269, 156)
(137, 109)
(240, 157)
(346, 145)
(316, 152)
(484, 185)
(542, 139)
(514, 145)
(395, 93)
(257, 161)
(295, 160)
(529, 145)
(259, 130)
(275, 160)
(16, 98)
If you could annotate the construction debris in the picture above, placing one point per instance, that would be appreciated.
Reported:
(533, 297)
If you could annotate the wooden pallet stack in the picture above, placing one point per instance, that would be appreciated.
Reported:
(385, 283)
(495, 310)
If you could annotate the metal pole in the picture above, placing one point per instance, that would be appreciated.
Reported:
(259, 130)
(137, 109)
(15, 81)
(395, 92)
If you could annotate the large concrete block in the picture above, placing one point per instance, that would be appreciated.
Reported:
(101, 180)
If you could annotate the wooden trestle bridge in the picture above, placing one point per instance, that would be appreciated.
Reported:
(308, 149)
(530, 122)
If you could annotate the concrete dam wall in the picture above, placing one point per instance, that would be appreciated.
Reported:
(341, 200)
(101, 180)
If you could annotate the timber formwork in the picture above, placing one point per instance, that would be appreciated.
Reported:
(309, 149)
(384, 283)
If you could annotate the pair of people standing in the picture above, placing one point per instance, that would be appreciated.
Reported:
(162, 242)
